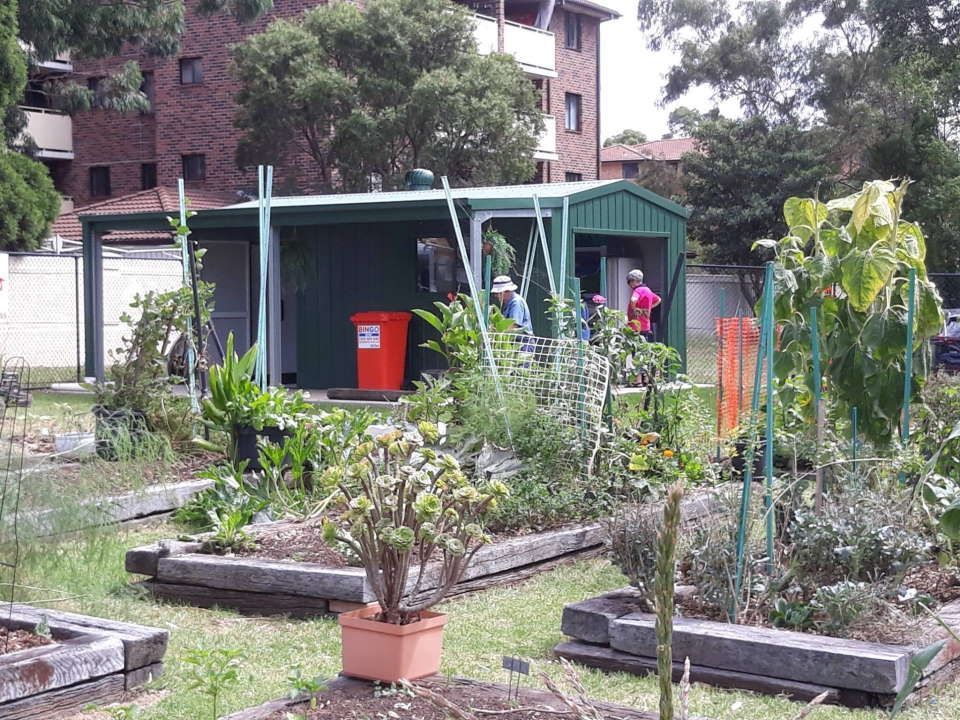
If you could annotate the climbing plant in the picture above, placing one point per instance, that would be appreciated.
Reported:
(851, 259)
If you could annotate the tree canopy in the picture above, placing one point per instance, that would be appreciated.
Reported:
(626, 137)
(877, 82)
(372, 93)
(738, 183)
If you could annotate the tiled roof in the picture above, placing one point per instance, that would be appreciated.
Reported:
(621, 153)
(158, 199)
(668, 149)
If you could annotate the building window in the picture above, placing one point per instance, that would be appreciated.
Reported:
(631, 170)
(573, 177)
(191, 71)
(574, 31)
(147, 87)
(148, 176)
(573, 119)
(96, 86)
(194, 168)
(100, 181)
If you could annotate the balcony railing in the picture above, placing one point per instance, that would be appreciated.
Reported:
(533, 48)
(52, 131)
(547, 147)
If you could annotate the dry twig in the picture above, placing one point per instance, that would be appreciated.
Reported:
(685, 691)
(438, 701)
(812, 705)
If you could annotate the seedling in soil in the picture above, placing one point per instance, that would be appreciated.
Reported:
(212, 672)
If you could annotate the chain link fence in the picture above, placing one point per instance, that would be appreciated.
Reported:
(41, 305)
(949, 286)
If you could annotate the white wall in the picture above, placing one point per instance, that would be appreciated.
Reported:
(42, 295)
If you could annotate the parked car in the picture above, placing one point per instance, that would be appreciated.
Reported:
(946, 346)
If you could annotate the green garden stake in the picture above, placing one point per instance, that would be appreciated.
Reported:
(603, 276)
(746, 493)
(487, 287)
(908, 358)
(720, 383)
(817, 400)
(854, 432)
(187, 281)
(908, 361)
(768, 326)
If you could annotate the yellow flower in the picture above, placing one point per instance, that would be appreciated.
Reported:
(668, 453)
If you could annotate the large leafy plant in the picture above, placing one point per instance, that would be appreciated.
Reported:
(851, 258)
(460, 342)
(399, 506)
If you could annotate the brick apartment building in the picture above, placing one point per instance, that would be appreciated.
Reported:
(189, 132)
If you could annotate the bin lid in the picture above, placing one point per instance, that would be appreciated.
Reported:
(380, 316)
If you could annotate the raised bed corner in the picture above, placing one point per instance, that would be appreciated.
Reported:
(608, 632)
(91, 660)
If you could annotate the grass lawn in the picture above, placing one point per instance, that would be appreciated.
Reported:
(522, 620)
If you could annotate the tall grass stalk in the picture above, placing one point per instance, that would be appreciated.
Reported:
(664, 580)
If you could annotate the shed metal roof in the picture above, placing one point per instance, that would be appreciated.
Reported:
(495, 192)
(362, 207)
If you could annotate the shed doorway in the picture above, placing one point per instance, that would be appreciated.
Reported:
(624, 253)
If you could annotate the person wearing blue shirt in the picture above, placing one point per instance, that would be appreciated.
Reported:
(512, 305)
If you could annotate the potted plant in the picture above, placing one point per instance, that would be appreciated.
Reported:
(503, 253)
(415, 521)
(246, 413)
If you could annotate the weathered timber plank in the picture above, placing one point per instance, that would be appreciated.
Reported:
(73, 661)
(250, 603)
(605, 658)
(931, 631)
(141, 676)
(869, 667)
(58, 704)
(527, 696)
(510, 577)
(142, 645)
(266, 576)
(589, 620)
(143, 560)
(152, 500)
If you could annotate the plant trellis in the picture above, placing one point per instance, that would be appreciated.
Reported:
(183, 237)
(265, 187)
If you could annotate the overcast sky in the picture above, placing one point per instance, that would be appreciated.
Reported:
(632, 79)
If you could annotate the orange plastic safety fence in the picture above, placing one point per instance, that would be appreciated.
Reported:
(737, 342)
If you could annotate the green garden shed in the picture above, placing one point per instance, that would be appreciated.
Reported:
(336, 255)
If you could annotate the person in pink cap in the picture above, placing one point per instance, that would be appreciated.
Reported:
(642, 302)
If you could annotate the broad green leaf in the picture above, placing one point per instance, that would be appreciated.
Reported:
(833, 240)
(844, 204)
(950, 521)
(864, 274)
(804, 216)
(929, 319)
(765, 243)
(918, 663)
(910, 238)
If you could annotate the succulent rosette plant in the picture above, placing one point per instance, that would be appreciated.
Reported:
(411, 515)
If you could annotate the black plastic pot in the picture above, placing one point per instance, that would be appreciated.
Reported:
(116, 426)
(247, 438)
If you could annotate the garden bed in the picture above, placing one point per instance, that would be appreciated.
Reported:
(347, 699)
(155, 502)
(609, 633)
(182, 571)
(82, 660)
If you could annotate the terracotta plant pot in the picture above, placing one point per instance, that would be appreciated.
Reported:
(380, 651)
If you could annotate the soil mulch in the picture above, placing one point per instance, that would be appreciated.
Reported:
(361, 701)
(298, 543)
(13, 641)
(301, 542)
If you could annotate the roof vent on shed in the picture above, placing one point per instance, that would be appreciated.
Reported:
(418, 179)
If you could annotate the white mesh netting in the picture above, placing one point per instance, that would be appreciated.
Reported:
(565, 377)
